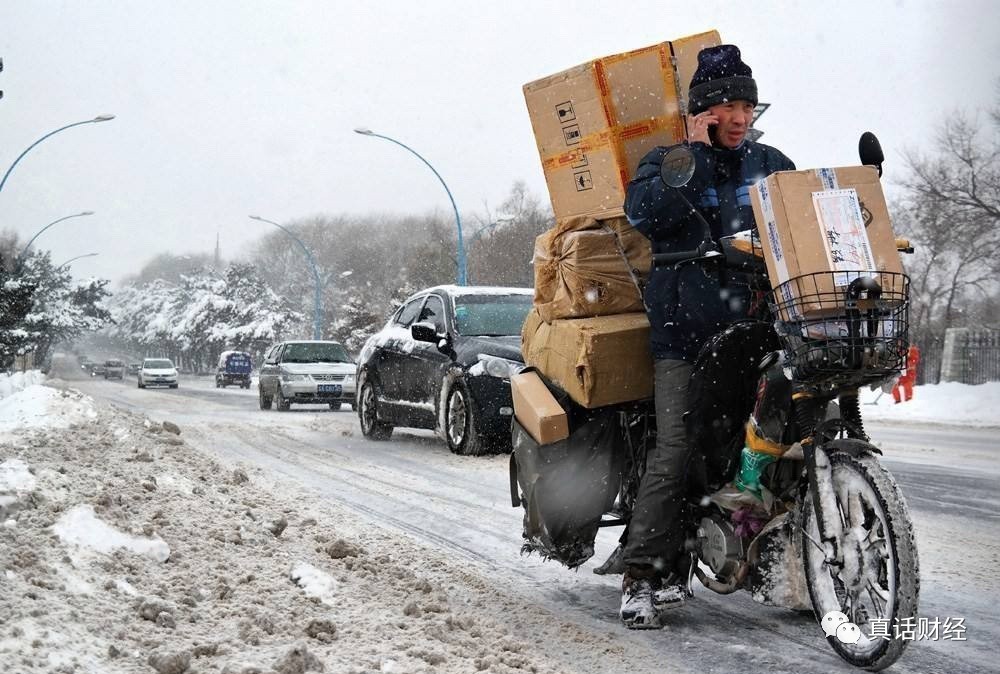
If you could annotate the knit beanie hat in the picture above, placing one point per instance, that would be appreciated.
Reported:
(722, 76)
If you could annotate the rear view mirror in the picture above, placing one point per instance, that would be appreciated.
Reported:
(677, 166)
(870, 151)
(424, 332)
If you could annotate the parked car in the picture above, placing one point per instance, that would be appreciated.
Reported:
(444, 361)
(234, 368)
(114, 369)
(306, 372)
(157, 372)
(133, 368)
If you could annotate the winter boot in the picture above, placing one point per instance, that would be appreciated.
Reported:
(637, 609)
(674, 591)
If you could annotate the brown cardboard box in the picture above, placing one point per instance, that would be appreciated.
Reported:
(585, 267)
(598, 361)
(593, 123)
(824, 220)
(537, 410)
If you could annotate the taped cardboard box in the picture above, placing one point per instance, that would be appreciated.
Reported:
(585, 267)
(832, 224)
(598, 361)
(593, 123)
(537, 410)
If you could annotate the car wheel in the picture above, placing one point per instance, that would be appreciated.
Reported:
(371, 427)
(334, 407)
(265, 402)
(460, 422)
(280, 401)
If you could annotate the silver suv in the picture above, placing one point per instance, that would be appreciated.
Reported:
(306, 372)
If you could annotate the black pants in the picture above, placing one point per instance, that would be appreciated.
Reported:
(655, 537)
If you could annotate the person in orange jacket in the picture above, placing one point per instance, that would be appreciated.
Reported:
(909, 378)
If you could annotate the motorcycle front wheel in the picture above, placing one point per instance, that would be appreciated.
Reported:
(877, 587)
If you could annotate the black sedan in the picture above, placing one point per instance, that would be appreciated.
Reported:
(444, 361)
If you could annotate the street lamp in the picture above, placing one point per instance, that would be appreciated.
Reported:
(74, 259)
(20, 258)
(99, 118)
(462, 272)
(318, 297)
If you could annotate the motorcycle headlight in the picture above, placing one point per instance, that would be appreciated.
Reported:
(500, 367)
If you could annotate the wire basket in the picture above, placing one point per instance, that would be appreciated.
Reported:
(850, 327)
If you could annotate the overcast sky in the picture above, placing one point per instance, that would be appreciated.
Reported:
(226, 109)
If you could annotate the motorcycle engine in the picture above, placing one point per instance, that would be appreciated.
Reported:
(719, 547)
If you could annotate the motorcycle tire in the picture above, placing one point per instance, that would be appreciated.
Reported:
(880, 579)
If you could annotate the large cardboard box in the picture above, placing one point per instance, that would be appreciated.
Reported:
(585, 267)
(594, 122)
(598, 361)
(825, 220)
(537, 410)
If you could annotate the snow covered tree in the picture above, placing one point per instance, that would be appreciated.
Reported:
(15, 304)
(951, 213)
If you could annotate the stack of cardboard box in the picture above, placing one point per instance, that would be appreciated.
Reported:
(593, 123)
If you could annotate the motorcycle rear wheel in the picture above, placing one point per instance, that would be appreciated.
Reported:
(879, 583)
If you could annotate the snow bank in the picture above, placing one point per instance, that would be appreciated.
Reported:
(948, 403)
(259, 577)
(12, 383)
(36, 406)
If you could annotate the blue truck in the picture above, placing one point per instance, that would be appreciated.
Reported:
(234, 368)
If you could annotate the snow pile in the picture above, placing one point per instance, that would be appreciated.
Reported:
(947, 403)
(126, 550)
(12, 383)
(37, 406)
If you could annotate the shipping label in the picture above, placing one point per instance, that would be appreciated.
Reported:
(843, 232)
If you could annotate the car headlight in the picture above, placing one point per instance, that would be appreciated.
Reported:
(287, 376)
(349, 379)
(500, 367)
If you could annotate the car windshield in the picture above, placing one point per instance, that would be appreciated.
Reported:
(315, 353)
(491, 315)
(158, 365)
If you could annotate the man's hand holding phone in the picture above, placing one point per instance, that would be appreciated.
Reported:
(698, 127)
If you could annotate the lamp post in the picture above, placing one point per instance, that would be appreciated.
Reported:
(99, 118)
(318, 297)
(20, 258)
(74, 259)
(462, 272)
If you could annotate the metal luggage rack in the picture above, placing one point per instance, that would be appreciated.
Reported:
(850, 327)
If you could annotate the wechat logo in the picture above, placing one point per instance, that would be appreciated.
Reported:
(835, 624)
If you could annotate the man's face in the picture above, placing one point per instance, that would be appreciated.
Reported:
(734, 120)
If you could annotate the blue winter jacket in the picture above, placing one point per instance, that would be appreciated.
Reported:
(686, 306)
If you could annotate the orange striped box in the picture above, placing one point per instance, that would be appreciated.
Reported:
(593, 123)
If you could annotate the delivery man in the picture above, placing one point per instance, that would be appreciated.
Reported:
(686, 306)
(908, 378)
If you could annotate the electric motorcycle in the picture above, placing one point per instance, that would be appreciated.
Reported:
(829, 530)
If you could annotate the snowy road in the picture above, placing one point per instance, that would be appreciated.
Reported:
(461, 505)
